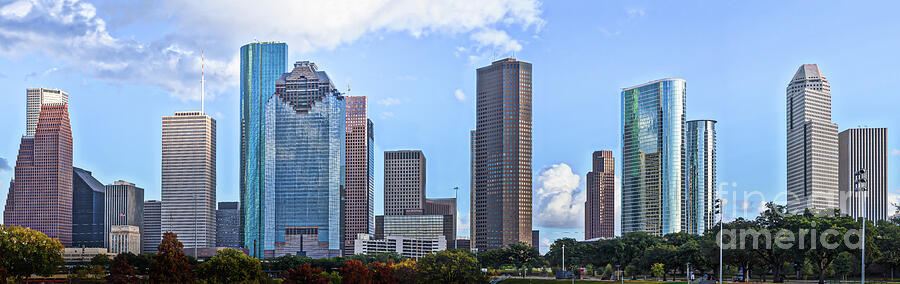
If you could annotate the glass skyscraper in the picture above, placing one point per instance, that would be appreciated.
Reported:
(653, 118)
(700, 176)
(262, 63)
(304, 157)
(88, 199)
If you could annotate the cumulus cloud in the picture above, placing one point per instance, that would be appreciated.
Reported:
(460, 96)
(389, 101)
(71, 31)
(560, 202)
(4, 165)
(895, 152)
(462, 221)
(387, 115)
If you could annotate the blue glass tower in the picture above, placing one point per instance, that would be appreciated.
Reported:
(304, 157)
(88, 196)
(700, 176)
(653, 146)
(262, 63)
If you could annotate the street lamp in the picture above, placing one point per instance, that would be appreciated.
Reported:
(860, 186)
(717, 210)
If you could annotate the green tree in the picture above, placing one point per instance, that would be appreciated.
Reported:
(575, 253)
(450, 267)
(121, 272)
(831, 228)
(305, 273)
(171, 265)
(141, 262)
(608, 271)
(887, 237)
(333, 277)
(631, 271)
(384, 257)
(742, 254)
(522, 255)
(770, 222)
(24, 252)
(101, 259)
(231, 266)
(658, 270)
(353, 271)
(843, 265)
(661, 254)
(636, 243)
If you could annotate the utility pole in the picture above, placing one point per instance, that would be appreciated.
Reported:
(718, 211)
(861, 185)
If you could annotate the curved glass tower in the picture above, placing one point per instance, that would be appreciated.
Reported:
(261, 64)
(653, 156)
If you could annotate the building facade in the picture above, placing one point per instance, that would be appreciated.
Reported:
(407, 247)
(600, 203)
(700, 177)
(812, 143)
(189, 178)
(35, 98)
(864, 148)
(262, 63)
(404, 182)
(124, 205)
(151, 236)
(88, 199)
(228, 225)
(124, 238)
(444, 206)
(304, 164)
(414, 226)
(303, 241)
(503, 144)
(653, 118)
(471, 228)
(40, 196)
(359, 191)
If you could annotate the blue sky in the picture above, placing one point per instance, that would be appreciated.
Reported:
(127, 64)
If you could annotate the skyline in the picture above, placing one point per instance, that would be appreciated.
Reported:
(577, 78)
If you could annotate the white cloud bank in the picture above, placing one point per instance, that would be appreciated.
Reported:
(72, 31)
(560, 201)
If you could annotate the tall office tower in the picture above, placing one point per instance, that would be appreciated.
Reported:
(304, 164)
(152, 234)
(189, 178)
(124, 205)
(40, 197)
(447, 207)
(88, 198)
(472, 190)
(864, 148)
(228, 223)
(261, 65)
(404, 182)
(503, 154)
(812, 143)
(653, 156)
(699, 176)
(37, 97)
(600, 206)
(536, 239)
(359, 191)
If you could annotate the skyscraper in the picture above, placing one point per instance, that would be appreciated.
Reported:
(88, 198)
(189, 178)
(151, 236)
(653, 156)
(446, 207)
(503, 154)
(404, 182)
(124, 205)
(700, 176)
(40, 197)
(228, 223)
(359, 192)
(600, 205)
(261, 65)
(304, 162)
(472, 190)
(864, 148)
(812, 143)
(35, 98)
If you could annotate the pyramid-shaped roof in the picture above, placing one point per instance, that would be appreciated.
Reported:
(807, 72)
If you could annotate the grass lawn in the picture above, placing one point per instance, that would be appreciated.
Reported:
(549, 281)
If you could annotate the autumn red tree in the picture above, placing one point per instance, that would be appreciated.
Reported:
(121, 272)
(303, 274)
(353, 271)
(171, 264)
(383, 273)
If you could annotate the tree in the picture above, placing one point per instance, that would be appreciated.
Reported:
(24, 252)
(101, 259)
(353, 271)
(140, 262)
(121, 272)
(636, 243)
(887, 237)
(818, 254)
(661, 254)
(231, 266)
(450, 267)
(406, 271)
(522, 255)
(843, 264)
(383, 273)
(770, 222)
(170, 264)
(575, 253)
(384, 257)
(304, 274)
(658, 270)
(631, 271)
(285, 262)
(742, 254)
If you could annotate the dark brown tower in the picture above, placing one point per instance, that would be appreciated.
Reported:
(599, 208)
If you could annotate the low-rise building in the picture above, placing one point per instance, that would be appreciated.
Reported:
(83, 255)
(124, 238)
(405, 246)
(303, 241)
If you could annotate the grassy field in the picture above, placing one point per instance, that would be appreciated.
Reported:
(553, 281)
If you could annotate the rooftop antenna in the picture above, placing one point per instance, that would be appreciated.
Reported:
(202, 85)
(348, 89)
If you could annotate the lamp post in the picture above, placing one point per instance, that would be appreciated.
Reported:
(717, 210)
(860, 186)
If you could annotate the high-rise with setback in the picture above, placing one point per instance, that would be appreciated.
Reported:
(262, 63)
(812, 143)
(653, 119)
(189, 178)
(359, 191)
(600, 204)
(40, 195)
(124, 206)
(503, 154)
(864, 148)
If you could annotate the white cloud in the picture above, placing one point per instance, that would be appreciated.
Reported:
(389, 101)
(635, 12)
(895, 152)
(560, 203)
(893, 201)
(462, 222)
(51, 70)
(71, 31)
(460, 96)
(387, 115)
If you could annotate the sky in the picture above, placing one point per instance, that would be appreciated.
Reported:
(125, 64)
